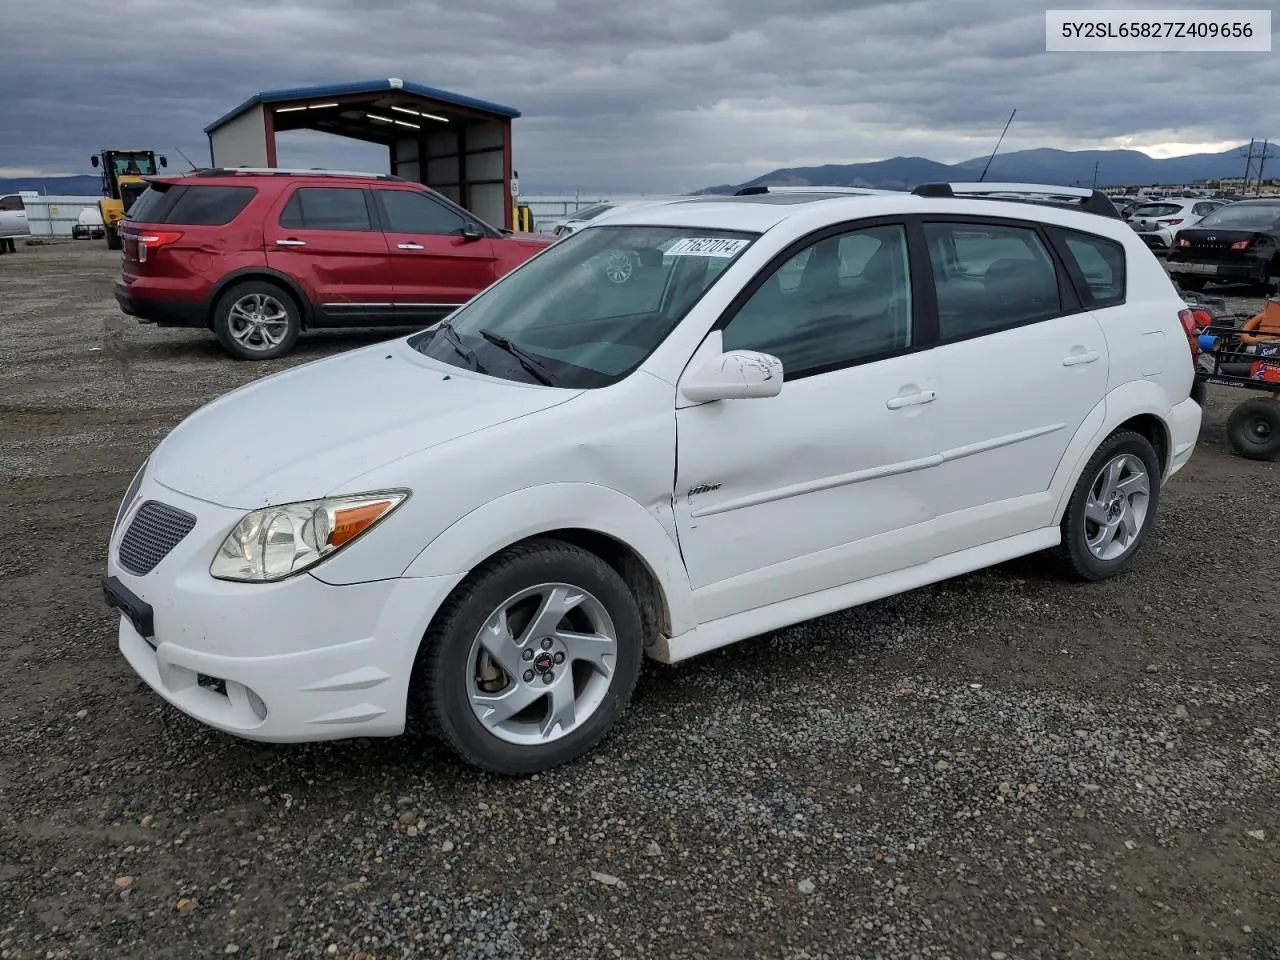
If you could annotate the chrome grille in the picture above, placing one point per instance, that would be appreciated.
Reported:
(156, 529)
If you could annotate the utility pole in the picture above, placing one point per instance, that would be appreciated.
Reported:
(1262, 162)
(1096, 164)
(1248, 169)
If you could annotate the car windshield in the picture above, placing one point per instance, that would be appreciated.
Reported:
(1243, 216)
(588, 310)
(1157, 210)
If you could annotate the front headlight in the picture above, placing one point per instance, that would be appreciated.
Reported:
(277, 542)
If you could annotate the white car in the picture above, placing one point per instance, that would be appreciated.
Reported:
(13, 217)
(800, 403)
(580, 218)
(1159, 221)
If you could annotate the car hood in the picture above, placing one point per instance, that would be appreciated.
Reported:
(304, 433)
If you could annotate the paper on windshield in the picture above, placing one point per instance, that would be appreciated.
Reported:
(705, 247)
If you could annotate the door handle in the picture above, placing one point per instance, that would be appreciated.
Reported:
(291, 243)
(897, 403)
(409, 246)
(1078, 358)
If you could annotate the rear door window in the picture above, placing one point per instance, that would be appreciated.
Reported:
(327, 208)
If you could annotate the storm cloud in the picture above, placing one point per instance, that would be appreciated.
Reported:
(660, 95)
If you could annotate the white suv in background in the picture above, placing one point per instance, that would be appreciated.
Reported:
(799, 402)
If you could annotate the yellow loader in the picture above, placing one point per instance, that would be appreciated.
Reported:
(123, 173)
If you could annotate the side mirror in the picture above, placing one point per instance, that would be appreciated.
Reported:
(94, 160)
(471, 233)
(164, 161)
(735, 375)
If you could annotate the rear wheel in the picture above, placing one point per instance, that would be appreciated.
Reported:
(1253, 429)
(533, 658)
(257, 321)
(1112, 508)
(113, 238)
(1194, 284)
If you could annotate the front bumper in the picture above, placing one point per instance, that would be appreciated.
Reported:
(285, 662)
(1184, 431)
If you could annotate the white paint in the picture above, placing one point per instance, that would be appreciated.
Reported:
(751, 513)
(241, 142)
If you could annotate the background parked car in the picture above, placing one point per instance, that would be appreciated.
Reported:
(13, 220)
(260, 256)
(580, 218)
(1239, 242)
(1158, 222)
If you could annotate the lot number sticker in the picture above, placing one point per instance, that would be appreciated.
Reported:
(705, 247)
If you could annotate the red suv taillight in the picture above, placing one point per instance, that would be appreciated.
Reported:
(1240, 245)
(149, 240)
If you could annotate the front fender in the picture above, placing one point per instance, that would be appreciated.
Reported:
(526, 513)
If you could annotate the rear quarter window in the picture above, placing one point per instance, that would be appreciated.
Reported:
(1099, 262)
(209, 206)
(192, 206)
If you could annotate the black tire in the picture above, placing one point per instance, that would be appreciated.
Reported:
(1253, 429)
(442, 675)
(1194, 284)
(1199, 391)
(113, 238)
(1074, 554)
(257, 348)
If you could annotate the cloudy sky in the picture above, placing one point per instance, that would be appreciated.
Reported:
(622, 96)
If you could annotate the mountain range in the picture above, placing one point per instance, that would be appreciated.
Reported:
(1120, 168)
(1127, 168)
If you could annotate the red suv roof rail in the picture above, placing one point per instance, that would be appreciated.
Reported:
(292, 172)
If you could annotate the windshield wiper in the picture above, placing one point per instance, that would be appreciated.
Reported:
(534, 368)
(461, 348)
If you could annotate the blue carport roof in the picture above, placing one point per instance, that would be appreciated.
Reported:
(366, 86)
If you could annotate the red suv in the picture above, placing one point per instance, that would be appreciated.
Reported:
(260, 255)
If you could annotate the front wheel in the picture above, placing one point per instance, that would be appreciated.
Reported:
(113, 239)
(1112, 508)
(1253, 429)
(533, 658)
(257, 321)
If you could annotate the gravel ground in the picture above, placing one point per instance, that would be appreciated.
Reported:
(1002, 766)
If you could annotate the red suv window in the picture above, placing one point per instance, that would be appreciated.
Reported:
(190, 205)
(326, 208)
(407, 211)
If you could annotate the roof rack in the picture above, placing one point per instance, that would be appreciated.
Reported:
(293, 171)
(1081, 198)
(852, 191)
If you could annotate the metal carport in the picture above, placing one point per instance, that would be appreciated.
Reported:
(455, 144)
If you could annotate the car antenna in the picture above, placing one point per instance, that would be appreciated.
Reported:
(998, 142)
(186, 158)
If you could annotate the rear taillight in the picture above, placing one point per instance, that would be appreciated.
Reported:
(152, 240)
(1240, 245)
(1171, 223)
(1187, 317)
(1182, 242)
